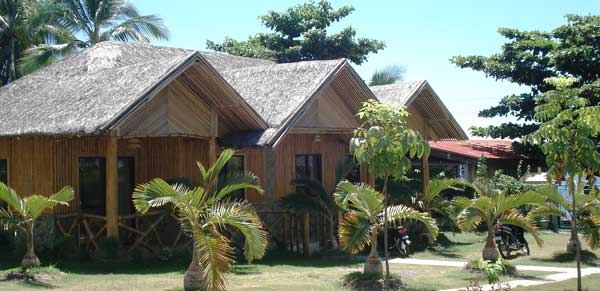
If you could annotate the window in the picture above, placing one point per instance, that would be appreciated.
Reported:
(4, 171)
(353, 175)
(307, 166)
(234, 165)
(92, 185)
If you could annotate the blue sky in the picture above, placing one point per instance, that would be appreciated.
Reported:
(420, 35)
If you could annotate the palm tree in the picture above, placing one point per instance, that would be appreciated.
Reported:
(95, 21)
(314, 198)
(204, 213)
(586, 211)
(387, 75)
(23, 213)
(492, 206)
(432, 201)
(364, 218)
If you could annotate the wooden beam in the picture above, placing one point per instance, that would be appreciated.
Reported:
(112, 188)
(425, 173)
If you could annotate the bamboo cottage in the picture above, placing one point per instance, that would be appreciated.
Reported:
(118, 114)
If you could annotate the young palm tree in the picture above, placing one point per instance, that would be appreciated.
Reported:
(364, 219)
(95, 21)
(387, 75)
(204, 213)
(586, 211)
(492, 206)
(431, 200)
(24, 212)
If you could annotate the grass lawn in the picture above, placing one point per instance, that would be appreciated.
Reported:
(468, 246)
(591, 282)
(289, 272)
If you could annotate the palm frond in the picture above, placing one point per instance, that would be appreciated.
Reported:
(545, 210)
(241, 216)
(468, 219)
(138, 29)
(507, 202)
(11, 198)
(235, 181)
(355, 232)
(215, 256)
(387, 75)
(37, 204)
(44, 54)
(362, 197)
(401, 213)
(155, 193)
(590, 228)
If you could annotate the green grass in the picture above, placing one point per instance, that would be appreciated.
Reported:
(291, 272)
(468, 246)
(591, 282)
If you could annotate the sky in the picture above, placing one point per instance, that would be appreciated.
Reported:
(420, 35)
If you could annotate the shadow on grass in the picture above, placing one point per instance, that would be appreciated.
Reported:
(587, 258)
(445, 247)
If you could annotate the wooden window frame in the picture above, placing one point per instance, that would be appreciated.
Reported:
(7, 170)
(320, 155)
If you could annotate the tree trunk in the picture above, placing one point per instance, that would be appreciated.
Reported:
(490, 253)
(30, 259)
(574, 244)
(332, 239)
(386, 279)
(192, 280)
(373, 262)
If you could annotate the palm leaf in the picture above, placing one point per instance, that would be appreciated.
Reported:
(516, 219)
(235, 181)
(241, 216)
(401, 213)
(215, 257)
(155, 193)
(138, 29)
(387, 75)
(11, 198)
(37, 204)
(355, 232)
(590, 228)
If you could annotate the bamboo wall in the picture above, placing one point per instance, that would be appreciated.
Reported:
(42, 165)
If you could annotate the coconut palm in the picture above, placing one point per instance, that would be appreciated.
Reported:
(364, 219)
(76, 24)
(23, 212)
(492, 206)
(314, 198)
(587, 212)
(204, 213)
(387, 75)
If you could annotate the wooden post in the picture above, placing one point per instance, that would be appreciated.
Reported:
(212, 151)
(306, 236)
(425, 173)
(112, 188)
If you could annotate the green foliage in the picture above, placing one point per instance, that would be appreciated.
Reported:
(205, 213)
(66, 26)
(363, 218)
(529, 58)
(360, 276)
(384, 142)
(387, 75)
(492, 270)
(300, 34)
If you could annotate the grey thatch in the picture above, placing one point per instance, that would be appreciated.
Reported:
(224, 62)
(85, 91)
(398, 93)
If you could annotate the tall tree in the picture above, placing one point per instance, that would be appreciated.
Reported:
(568, 135)
(76, 24)
(300, 34)
(386, 145)
(387, 75)
(528, 58)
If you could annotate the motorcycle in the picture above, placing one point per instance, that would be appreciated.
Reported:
(402, 242)
(509, 239)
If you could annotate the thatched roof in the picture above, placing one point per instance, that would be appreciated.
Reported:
(223, 62)
(421, 96)
(85, 91)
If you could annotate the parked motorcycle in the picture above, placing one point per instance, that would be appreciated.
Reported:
(402, 242)
(509, 239)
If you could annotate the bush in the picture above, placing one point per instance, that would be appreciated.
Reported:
(370, 282)
(492, 270)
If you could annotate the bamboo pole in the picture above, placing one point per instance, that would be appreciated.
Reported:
(306, 237)
(112, 188)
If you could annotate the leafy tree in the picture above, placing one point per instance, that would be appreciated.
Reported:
(75, 24)
(23, 212)
(492, 206)
(300, 34)
(569, 128)
(387, 75)
(528, 58)
(204, 213)
(364, 220)
(386, 145)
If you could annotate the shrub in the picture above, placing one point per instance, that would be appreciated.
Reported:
(492, 270)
